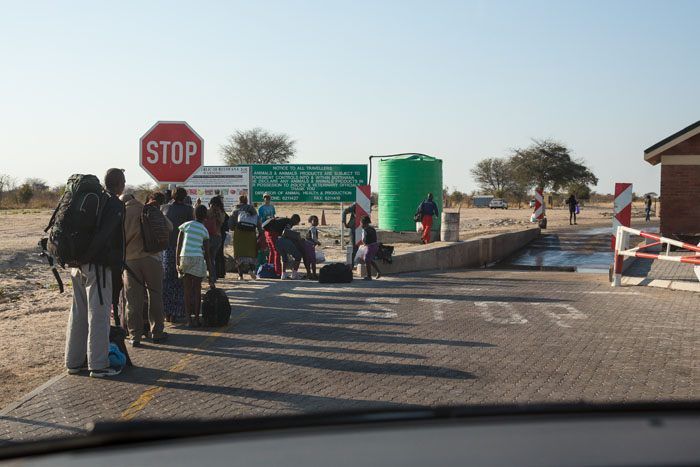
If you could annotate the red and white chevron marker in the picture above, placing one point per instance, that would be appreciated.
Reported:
(538, 214)
(363, 206)
(622, 210)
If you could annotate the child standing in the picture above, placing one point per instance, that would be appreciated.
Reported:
(371, 246)
(193, 262)
(310, 244)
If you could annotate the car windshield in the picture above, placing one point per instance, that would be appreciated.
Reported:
(208, 210)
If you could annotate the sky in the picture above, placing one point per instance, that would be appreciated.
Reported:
(80, 82)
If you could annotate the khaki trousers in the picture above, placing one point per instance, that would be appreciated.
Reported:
(87, 335)
(149, 271)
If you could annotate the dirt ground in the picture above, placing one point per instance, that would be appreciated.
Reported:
(33, 314)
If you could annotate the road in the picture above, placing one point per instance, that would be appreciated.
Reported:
(477, 336)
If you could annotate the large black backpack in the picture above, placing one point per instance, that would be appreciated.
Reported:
(154, 229)
(75, 219)
(216, 308)
(335, 273)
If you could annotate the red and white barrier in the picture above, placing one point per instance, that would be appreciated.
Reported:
(363, 207)
(622, 209)
(538, 214)
(622, 249)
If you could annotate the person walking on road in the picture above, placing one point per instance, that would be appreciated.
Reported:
(647, 208)
(573, 208)
(87, 336)
(427, 209)
(143, 269)
(267, 210)
(173, 293)
(193, 262)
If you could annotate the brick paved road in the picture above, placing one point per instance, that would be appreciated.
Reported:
(482, 336)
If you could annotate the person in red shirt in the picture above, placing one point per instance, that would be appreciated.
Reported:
(427, 210)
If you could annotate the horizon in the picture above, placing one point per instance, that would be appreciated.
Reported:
(458, 81)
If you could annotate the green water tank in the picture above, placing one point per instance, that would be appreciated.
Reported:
(404, 182)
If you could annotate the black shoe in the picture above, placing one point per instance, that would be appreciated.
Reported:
(135, 342)
(163, 337)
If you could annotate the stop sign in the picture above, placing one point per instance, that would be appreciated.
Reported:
(171, 152)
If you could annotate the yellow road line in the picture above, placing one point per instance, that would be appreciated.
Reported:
(147, 396)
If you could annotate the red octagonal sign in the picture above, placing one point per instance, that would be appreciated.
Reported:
(171, 152)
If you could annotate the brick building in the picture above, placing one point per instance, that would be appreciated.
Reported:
(679, 156)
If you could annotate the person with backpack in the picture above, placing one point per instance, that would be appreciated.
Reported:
(424, 214)
(147, 232)
(94, 219)
(193, 263)
(178, 212)
(244, 223)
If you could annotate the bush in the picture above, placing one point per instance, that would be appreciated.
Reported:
(25, 194)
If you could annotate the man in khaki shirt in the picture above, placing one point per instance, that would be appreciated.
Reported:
(143, 268)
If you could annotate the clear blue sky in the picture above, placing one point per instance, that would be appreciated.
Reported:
(81, 81)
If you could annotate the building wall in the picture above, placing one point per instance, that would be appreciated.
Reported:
(680, 197)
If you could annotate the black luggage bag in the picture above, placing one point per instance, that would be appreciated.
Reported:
(216, 308)
(335, 273)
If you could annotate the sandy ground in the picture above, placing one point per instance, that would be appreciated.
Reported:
(33, 314)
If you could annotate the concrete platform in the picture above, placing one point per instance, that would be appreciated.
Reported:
(475, 252)
(663, 274)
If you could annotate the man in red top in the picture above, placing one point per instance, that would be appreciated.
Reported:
(427, 210)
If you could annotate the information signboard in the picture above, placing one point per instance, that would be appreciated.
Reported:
(209, 181)
(307, 183)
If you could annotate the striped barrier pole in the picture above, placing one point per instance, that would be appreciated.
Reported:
(363, 207)
(622, 209)
(622, 249)
(538, 213)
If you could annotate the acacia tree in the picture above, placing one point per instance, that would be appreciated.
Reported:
(548, 164)
(493, 175)
(258, 146)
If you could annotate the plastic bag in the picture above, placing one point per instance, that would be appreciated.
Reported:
(320, 256)
(578, 209)
(361, 253)
(419, 227)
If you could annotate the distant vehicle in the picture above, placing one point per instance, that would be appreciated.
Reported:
(481, 201)
(498, 203)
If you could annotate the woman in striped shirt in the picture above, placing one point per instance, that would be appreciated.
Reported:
(193, 262)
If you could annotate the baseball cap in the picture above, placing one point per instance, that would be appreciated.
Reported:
(266, 195)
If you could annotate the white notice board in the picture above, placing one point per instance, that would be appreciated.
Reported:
(210, 181)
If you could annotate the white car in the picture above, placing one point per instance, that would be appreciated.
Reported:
(498, 203)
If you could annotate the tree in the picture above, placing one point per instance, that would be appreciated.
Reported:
(493, 175)
(547, 164)
(37, 184)
(25, 194)
(258, 146)
(581, 190)
(7, 183)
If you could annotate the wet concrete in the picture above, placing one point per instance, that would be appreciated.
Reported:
(585, 250)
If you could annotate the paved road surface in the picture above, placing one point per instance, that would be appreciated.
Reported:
(480, 336)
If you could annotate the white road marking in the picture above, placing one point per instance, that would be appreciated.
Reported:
(379, 310)
(438, 312)
(507, 307)
(571, 313)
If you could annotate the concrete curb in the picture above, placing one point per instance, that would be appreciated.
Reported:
(660, 283)
(31, 394)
